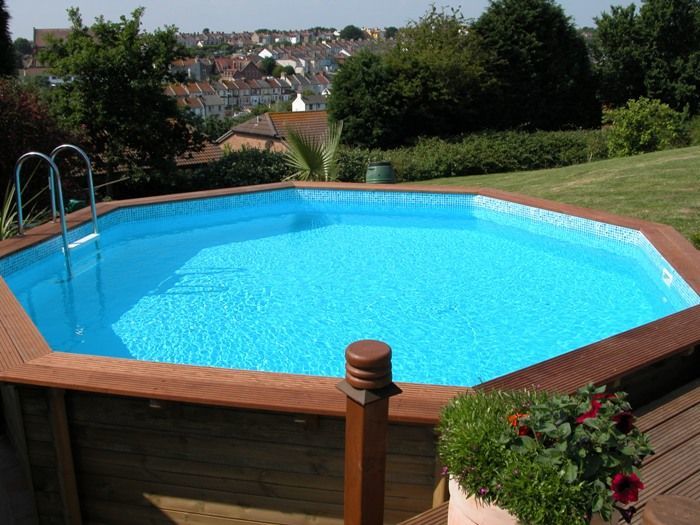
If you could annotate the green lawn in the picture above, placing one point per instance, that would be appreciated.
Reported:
(660, 187)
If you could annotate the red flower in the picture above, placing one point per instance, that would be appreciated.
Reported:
(597, 397)
(624, 421)
(593, 412)
(626, 487)
(513, 419)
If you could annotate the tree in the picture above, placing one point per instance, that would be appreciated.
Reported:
(390, 32)
(429, 83)
(267, 65)
(671, 51)
(25, 125)
(351, 32)
(367, 97)
(617, 54)
(539, 64)
(654, 52)
(116, 98)
(23, 46)
(440, 67)
(7, 52)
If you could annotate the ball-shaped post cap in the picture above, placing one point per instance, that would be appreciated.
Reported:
(368, 364)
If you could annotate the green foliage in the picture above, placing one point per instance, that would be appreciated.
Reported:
(312, 158)
(693, 130)
(353, 163)
(429, 83)
(439, 67)
(267, 65)
(23, 46)
(549, 459)
(671, 30)
(539, 66)
(25, 125)
(390, 32)
(494, 152)
(654, 53)
(8, 213)
(117, 99)
(351, 32)
(642, 126)
(618, 55)
(7, 51)
(237, 168)
(9, 226)
(368, 98)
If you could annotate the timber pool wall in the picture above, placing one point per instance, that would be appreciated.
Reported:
(103, 438)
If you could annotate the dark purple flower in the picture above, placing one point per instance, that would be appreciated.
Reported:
(626, 487)
(483, 491)
(624, 421)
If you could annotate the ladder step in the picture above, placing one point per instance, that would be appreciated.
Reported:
(83, 240)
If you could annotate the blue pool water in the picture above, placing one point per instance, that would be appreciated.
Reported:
(461, 296)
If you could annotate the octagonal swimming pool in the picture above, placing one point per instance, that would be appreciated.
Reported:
(283, 280)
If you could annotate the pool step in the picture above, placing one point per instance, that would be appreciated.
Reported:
(83, 240)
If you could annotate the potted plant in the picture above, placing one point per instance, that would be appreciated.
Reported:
(541, 459)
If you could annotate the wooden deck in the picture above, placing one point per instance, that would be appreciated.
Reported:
(673, 425)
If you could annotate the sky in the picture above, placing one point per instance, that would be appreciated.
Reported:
(241, 15)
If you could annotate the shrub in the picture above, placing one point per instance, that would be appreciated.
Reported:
(642, 126)
(548, 459)
(693, 130)
(495, 153)
(237, 168)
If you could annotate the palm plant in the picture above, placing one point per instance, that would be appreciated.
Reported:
(312, 158)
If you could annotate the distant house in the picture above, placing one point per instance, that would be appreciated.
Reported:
(309, 102)
(197, 69)
(202, 98)
(249, 72)
(269, 131)
(34, 67)
(191, 159)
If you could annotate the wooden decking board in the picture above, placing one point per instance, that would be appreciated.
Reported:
(601, 362)
(436, 516)
(670, 435)
(689, 489)
(669, 406)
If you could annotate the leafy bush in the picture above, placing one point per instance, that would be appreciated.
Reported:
(693, 130)
(642, 126)
(476, 154)
(237, 168)
(353, 162)
(548, 459)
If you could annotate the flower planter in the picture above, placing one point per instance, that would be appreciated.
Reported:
(463, 510)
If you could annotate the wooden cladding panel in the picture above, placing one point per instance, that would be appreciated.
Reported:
(203, 464)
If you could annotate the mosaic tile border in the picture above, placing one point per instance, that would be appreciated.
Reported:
(504, 212)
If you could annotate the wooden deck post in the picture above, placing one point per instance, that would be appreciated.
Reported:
(368, 387)
(67, 484)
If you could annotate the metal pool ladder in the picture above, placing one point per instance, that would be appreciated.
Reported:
(56, 190)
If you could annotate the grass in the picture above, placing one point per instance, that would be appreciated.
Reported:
(660, 187)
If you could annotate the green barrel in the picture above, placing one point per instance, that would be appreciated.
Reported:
(380, 173)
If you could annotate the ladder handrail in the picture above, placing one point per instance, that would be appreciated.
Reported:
(56, 178)
(91, 187)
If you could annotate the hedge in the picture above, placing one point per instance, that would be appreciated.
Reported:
(496, 152)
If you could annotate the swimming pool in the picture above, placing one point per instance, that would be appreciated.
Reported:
(283, 280)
